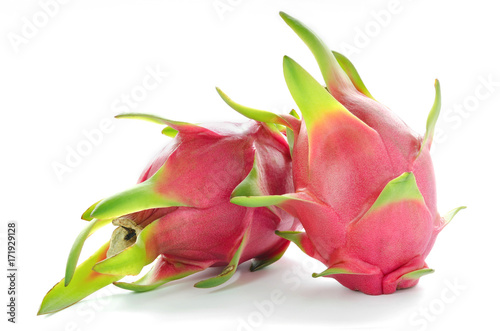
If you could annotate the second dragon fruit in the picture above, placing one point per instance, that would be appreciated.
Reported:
(364, 181)
(180, 214)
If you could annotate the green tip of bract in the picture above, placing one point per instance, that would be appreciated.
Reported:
(331, 271)
(315, 103)
(156, 119)
(294, 113)
(220, 279)
(293, 236)
(144, 117)
(254, 114)
(333, 74)
(352, 73)
(401, 188)
(229, 270)
(136, 287)
(258, 264)
(173, 127)
(84, 282)
(346, 268)
(140, 197)
(261, 201)
(451, 214)
(250, 185)
(432, 118)
(284, 15)
(413, 275)
(76, 249)
(169, 132)
(162, 272)
(313, 100)
(86, 215)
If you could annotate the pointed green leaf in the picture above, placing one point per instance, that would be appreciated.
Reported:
(249, 193)
(258, 264)
(263, 201)
(76, 249)
(294, 236)
(352, 73)
(86, 215)
(159, 275)
(250, 185)
(401, 188)
(156, 119)
(132, 259)
(290, 137)
(334, 271)
(451, 214)
(333, 74)
(254, 114)
(175, 126)
(294, 113)
(417, 274)
(346, 268)
(229, 270)
(315, 102)
(432, 118)
(169, 132)
(140, 197)
(85, 282)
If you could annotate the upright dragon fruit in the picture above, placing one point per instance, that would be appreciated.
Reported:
(365, 190)
(180, 212)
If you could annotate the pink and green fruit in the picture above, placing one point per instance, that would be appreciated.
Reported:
(179, 215)
(365, 191)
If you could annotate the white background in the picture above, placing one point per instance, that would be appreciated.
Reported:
(64, 79)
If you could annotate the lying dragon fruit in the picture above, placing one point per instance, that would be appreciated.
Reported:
(180, 212)
(365, 190)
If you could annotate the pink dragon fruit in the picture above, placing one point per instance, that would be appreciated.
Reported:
(180, 212)
(365, 189)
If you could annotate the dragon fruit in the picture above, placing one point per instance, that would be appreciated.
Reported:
(365, 188)
(180, 214)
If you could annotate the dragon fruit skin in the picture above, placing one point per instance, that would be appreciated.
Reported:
(180, 212)
(365, 187)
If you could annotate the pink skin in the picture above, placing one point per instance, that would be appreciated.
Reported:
(194, 236)
(203, 170)
(401, 143)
